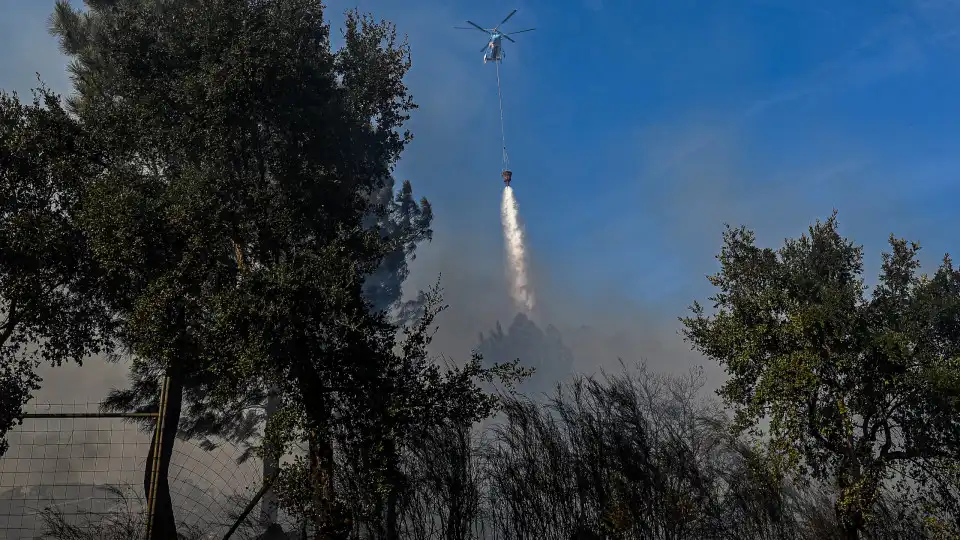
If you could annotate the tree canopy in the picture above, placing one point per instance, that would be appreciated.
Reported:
(51, 308)
(859, 389)
(240, 224)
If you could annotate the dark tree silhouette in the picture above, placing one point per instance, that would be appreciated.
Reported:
(245, 158)
(541, 350)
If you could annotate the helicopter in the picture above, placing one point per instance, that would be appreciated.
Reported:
(493, 50)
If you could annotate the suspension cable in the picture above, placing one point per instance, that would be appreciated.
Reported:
(503, 137)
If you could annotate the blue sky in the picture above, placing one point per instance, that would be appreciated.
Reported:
(636, 129)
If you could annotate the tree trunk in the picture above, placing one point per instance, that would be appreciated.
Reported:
(327, 517)
(859, 490)
(394, 485)
(393, 532)
(271, 465)
(851, 523)
(163, 520)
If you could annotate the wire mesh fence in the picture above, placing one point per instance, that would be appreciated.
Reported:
(73, 473)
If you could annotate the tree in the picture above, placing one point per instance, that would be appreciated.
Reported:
(414, 401)
(233, 220)
(406, 223)
(48, 286)
(544, 351)
(399, 218)
(859, 390)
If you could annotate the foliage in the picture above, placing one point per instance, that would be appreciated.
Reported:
(630, 456)
(124, 522)
(417, 399)
(545, 470)
(400, 218)
(637, 455)
(857, 389)
(51, 312)
(234, 220)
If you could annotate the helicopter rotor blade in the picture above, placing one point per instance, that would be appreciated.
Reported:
(508, 37)
(520, 31)
(478, 27)
(507, 19)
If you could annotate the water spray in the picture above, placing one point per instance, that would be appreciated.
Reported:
(520, 289)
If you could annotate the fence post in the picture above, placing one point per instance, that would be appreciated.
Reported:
(157, 457)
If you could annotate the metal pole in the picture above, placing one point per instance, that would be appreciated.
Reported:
(91, 415)
(157, 453)
(249, 508)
